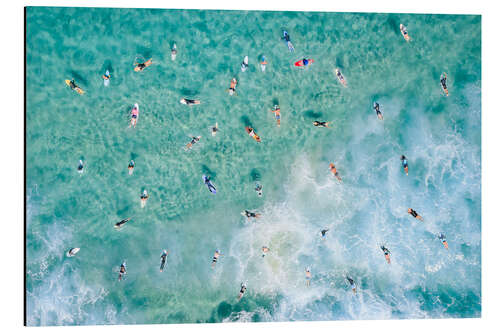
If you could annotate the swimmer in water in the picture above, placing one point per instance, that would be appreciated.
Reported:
(443, 83)
(277, 114)
(131, 166)
(414, 214)
(144, 198)
(442, 238)
(308, 276)
(265, 249)
(404, 161)
(249, 214)
(258, 189)
(163, 260)
(387, 253)
(141, 66)
(323, 233)
(80, 166)
(216, 256)
(194, 140)
(215, 129)
(209, 184)
(120, 224)
(376, 107)
(333, 169)
(190, 102)
(352, 283)
(232, 88)
(243, 288)
(123, 271)
(321, 123)
(134, 115)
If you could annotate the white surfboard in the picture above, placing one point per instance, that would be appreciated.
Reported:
(72, 252)
(173, 53)
(244, 64)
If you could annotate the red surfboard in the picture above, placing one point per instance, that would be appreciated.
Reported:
(300, 64)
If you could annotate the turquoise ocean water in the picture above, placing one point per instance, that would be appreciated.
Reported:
(439, 135)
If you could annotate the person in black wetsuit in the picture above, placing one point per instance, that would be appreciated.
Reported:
(120, 224)
(387, 253)
(321, 123)
(376, 107)
(352, 283)
(163, 260)
(413, 213)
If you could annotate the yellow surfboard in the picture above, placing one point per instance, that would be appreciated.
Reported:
(77, 89)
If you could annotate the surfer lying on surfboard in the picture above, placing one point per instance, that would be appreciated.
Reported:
(304, 62)
(443, 83)
(404, 32)
(215, 129)
(263, 63)
(286, 38)
(333, 169)
(173, 52)
(376, 107)
(134, 115)
(242, 290)
(277, 114)
(72, 252)
(80, 166)
(144, 198)
(352, 283)
(404, 162)
(258, 189)
(120, 224)
(232, 88)
(340, 77)
(163, 259)
(249, 214)
(141, 66)
(252, 133)
(190, 102)
(321, 123)
(71, 83)
(123, 271)
(194, 140)
(244, 64)
(216, 256)
(413, 213)
(131, 166)
(106, 78)
(387, 253)
(442, 238)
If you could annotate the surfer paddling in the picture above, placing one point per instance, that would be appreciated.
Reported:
(404, 32)
(352, 283)
(252, 133)
(413, 213)
(442, 238)
(190, 102)
(376, 107)
(249, 214)
(140, 66)
(134, 115)
(232, 87)
(131, 166)
(243, 289)
(404, 162)
(443, 83)
(333, 170)
(120, 224)
(194, 140)
(144, 198)
(216, 256)
(163, 260)
(321, 123)
(123, 271)
(387, 253)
